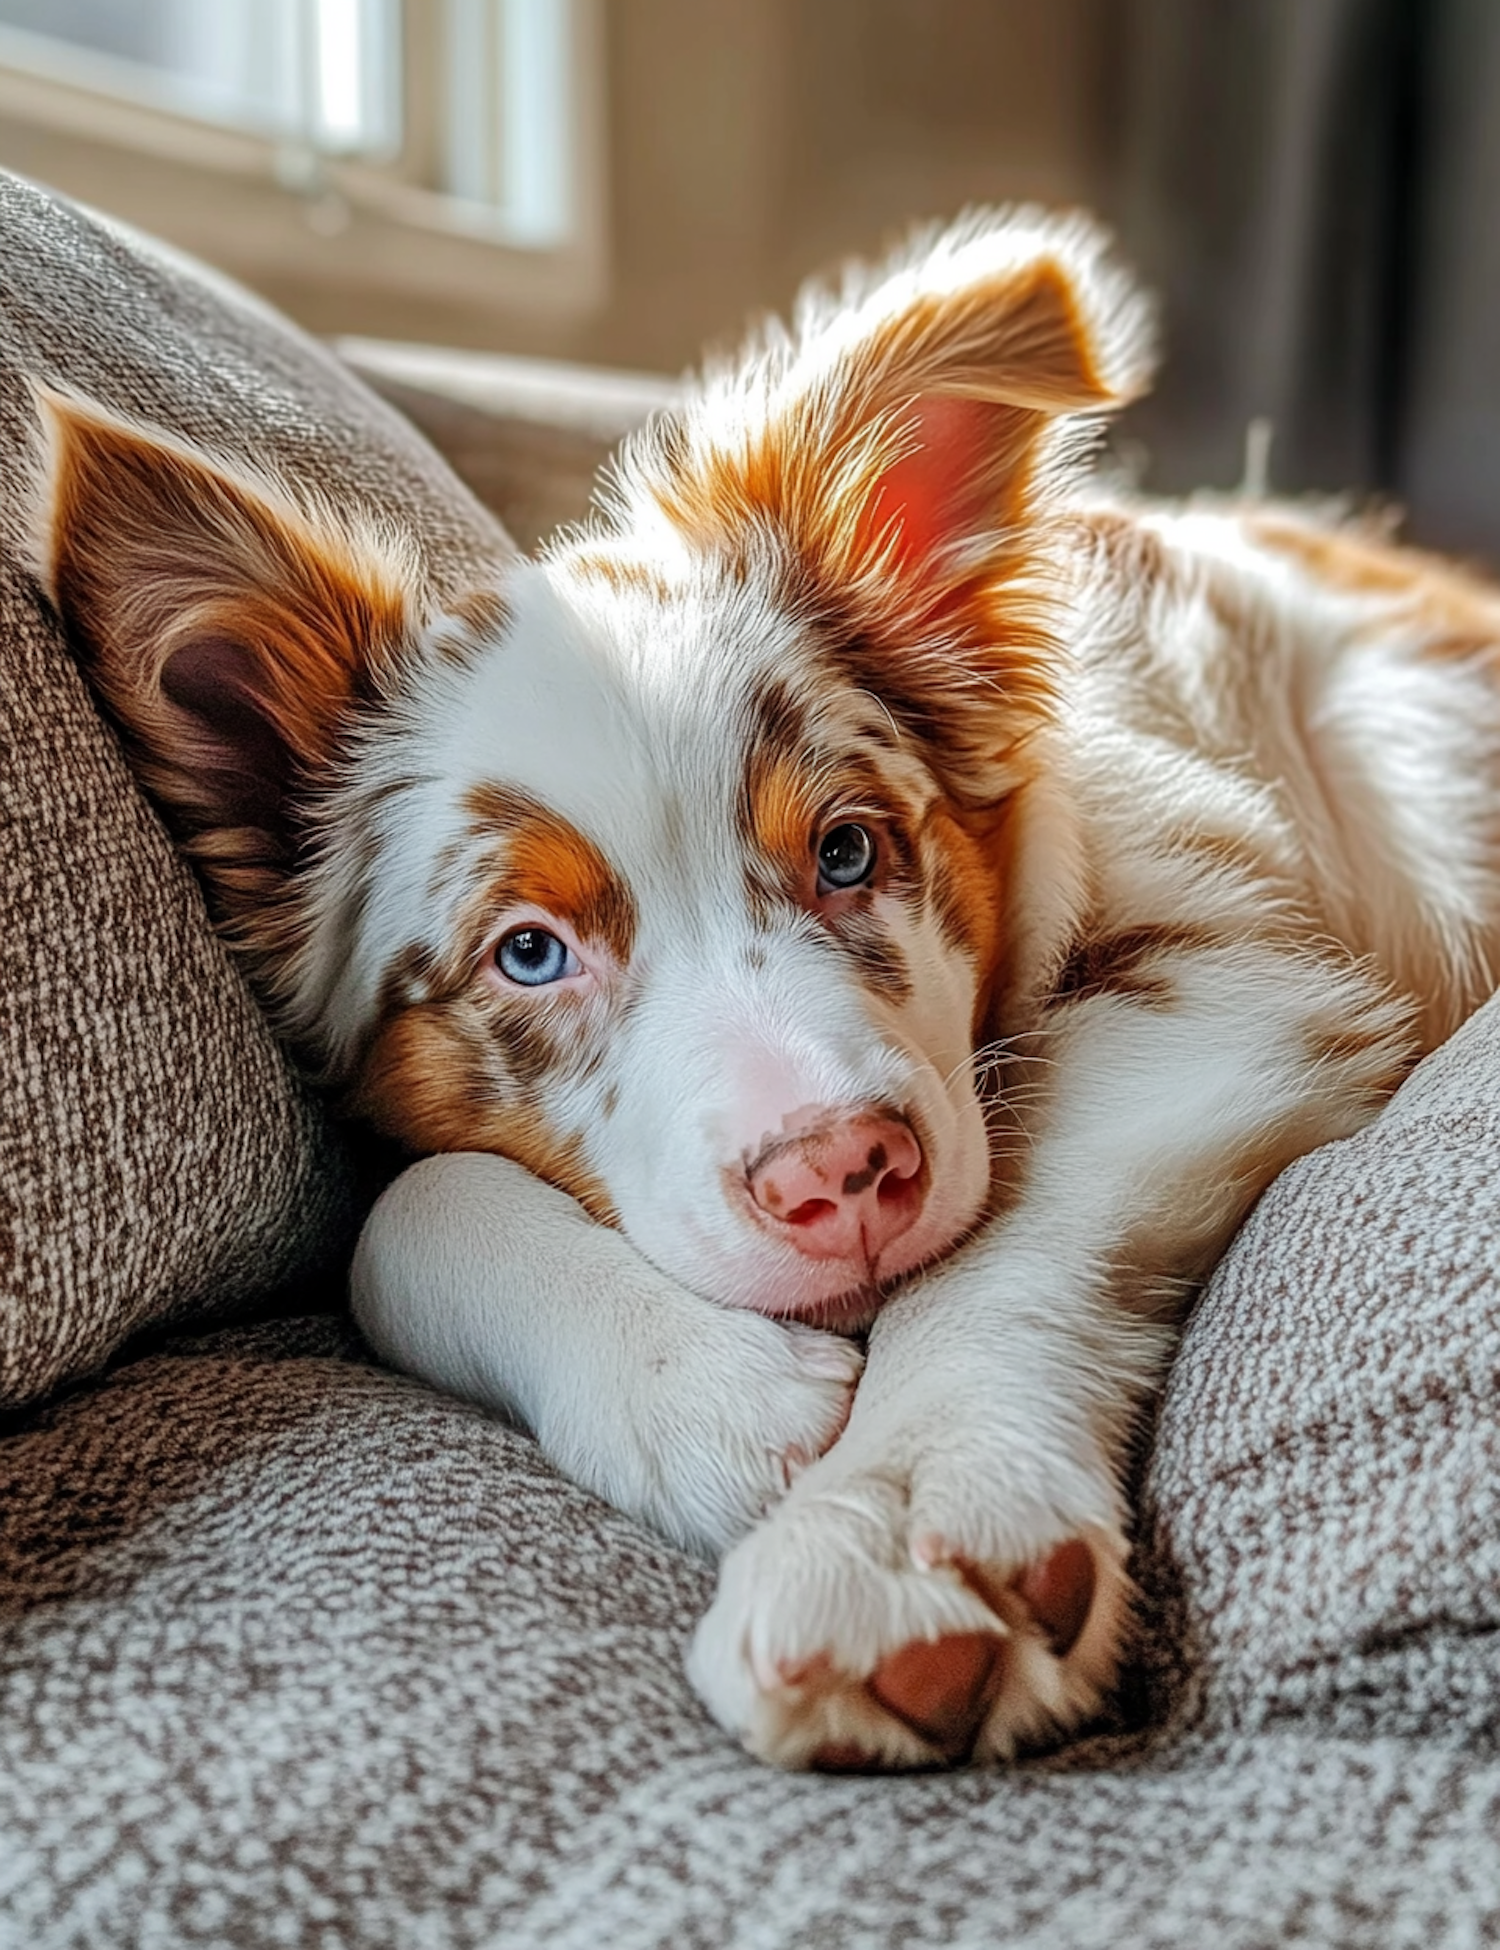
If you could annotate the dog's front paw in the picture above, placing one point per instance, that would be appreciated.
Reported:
(735, 1416)
(860, 1627)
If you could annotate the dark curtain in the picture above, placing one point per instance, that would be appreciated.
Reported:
(1314, 188)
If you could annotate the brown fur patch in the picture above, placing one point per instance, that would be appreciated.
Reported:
(777, 811)
(483, 614)
(455, 1064)
(1136, 554)
(877, 957)
(961, 869)
(943, 852)
(1132, 963)
(1352, 1043)
(789, 782)
(546, 862)
(1238, 854)
(1460, 611)
(625, 575)
(968, 862)
(233, 634)
(432, 1080)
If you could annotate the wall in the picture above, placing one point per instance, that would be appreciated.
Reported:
(756, 142)
(746, 142)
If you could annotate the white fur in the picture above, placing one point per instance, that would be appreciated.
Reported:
(1187, 821)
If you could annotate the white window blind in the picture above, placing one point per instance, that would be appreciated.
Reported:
(321, 72)
(507, 120)
(470, 101)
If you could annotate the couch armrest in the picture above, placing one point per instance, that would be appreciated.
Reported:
(526, 435)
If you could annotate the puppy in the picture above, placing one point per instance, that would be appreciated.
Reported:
(867, 879)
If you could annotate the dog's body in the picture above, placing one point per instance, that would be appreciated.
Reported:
(887, 884)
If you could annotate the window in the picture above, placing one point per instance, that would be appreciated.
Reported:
(506, 103)
(467, 122)
(322, 71)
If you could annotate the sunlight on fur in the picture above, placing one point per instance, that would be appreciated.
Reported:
(868, 881)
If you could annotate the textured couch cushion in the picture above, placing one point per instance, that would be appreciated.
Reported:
(1323, 1509)
(157, 1156)
(293, 1651)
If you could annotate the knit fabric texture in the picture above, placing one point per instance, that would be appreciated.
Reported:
(1323, 1508)
(158, 1157)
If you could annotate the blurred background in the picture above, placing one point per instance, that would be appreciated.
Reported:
(1307, 183)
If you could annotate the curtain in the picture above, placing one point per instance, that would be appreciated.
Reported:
(1313, 186)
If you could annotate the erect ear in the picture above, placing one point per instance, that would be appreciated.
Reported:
(905, 443)
(228, 627)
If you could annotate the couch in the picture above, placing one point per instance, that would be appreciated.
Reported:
(295, 1651)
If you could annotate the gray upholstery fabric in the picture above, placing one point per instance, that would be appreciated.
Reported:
(293, 1651)
(1326, 1486)
(157, 1156)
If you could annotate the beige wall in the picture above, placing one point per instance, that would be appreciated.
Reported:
(746, 142)
(756, 140)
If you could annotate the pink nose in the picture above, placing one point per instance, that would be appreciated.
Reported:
(843, 1189)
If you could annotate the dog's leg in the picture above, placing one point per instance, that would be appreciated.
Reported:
(950, 1579)
(481, 1279)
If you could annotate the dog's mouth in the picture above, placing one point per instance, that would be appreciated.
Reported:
(854, 1309)
(853, 1291)
(852, 1312)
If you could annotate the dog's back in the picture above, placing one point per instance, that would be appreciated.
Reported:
(1283, 702)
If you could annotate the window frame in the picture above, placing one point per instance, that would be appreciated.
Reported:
(284, 211)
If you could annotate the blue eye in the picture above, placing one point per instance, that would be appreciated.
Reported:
(533, 958)
(846, 856)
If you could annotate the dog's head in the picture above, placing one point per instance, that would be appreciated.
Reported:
(678, 867)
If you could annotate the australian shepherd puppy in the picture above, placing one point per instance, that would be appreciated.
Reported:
(867, 881)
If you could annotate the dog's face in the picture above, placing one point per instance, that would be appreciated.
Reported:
(678, 867)
(700, 936)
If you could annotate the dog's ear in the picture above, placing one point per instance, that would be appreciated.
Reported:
(228, 628)
(903, 446)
